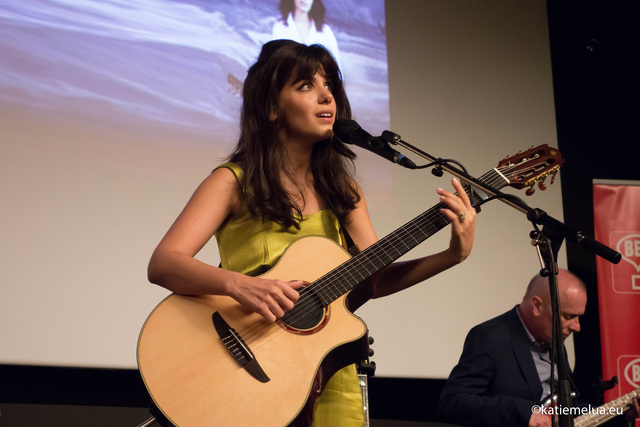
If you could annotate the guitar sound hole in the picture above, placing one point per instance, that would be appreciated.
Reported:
(306, 314)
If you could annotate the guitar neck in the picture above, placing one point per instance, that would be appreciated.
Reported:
(388, 249)
(607, 411)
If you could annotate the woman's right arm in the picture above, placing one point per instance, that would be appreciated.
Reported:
(174, 267)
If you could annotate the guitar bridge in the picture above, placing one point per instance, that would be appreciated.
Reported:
(238, 349)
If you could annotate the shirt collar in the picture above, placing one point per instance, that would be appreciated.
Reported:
(542, 346)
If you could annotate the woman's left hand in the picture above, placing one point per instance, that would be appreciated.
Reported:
(462, 217)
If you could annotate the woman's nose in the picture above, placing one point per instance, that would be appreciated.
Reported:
(326, 96)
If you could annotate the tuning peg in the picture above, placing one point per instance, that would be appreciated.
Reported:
(553, 176)
(541, 185)
(530, 190)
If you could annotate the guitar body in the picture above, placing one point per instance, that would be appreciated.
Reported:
(194, 380)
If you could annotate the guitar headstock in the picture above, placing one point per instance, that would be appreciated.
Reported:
(532, 166)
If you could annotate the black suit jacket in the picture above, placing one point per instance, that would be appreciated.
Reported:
(495, 383)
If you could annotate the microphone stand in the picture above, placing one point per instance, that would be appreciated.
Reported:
(535, 215)
(548, 242)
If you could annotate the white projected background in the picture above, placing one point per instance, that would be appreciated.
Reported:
(113, 111)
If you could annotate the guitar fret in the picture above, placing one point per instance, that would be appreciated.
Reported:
(388, 249)
(354, 271)
(382, 253)
(602, 413)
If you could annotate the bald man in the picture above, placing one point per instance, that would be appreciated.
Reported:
(505, 366)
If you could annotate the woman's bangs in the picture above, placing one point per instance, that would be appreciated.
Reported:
(316, 59)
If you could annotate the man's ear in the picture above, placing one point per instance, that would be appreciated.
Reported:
(536, 305)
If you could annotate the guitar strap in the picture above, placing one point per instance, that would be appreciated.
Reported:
(575, 393)
(572, 383)
(347, 241)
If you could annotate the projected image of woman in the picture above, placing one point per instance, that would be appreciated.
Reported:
(289, 177)
(303, 21)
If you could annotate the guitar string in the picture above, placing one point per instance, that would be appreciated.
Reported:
(594, 419)
(321, 288)
(339, 274)
(380, 255)
(323, 285)
(403, 235)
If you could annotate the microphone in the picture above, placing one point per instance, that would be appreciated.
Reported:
(350, 132)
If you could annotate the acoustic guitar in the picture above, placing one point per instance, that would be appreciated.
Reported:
(207, 361)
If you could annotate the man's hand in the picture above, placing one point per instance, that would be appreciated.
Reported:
(539, 420)
(633, 412)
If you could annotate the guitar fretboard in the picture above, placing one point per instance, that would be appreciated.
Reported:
(388, 249)
(607, 411)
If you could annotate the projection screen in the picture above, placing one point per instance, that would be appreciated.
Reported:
(113, 111)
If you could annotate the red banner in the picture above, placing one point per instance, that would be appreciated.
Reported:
(617, 224)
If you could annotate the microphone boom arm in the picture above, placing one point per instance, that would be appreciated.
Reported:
(534, 215)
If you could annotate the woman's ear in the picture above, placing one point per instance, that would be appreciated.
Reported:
(276, 112)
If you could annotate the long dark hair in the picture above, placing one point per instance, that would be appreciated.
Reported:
(316, 13)
(259, 150)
